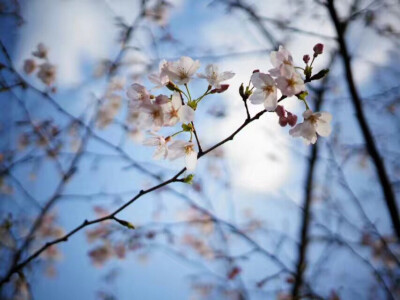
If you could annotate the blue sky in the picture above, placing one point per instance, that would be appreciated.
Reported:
(270, 162)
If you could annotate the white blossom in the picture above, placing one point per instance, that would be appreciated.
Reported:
(160, 79)
(314, 123)
(291, 85)
(108, 110)
(182, 71)
(47, 73)
(153, 115)
(116, 84)
(29, 66)
(282, 61)
(175, 111)
(41, 51)
(138, 93)
(179, 149)
(158, 141)
(213, 76)
(265, 91)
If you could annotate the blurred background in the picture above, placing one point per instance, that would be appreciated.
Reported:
(266, 216)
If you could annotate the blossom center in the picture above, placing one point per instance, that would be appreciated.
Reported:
(291, 82)
(189, 149)
(268, 89)
(313, 119)
(287, 62)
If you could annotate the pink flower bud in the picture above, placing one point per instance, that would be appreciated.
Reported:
(280, 111)
(283, 121)
(318, 49)
(306, 58)
(292, 119)
(222, 89)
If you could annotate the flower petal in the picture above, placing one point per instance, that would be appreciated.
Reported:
(191, 161)
(323, 128)
(257, 97)
(271, 102)
(186, 114)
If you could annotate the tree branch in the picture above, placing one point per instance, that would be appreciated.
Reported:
(370, 143)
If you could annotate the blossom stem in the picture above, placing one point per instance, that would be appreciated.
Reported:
(176, 133)
(306, 104)
(197, 138)
(187, 89)
(201, 97)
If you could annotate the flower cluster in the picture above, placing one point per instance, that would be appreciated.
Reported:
(47, 71)
(283, 77)
(286, 80)
(150, 112)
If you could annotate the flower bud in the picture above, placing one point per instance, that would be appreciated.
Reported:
(222, 89)
(241, 91)
(318, 49)
(283, 121)
(172, 87)
(280, 111)
(321, 74)
(306, 58)
(292, 119)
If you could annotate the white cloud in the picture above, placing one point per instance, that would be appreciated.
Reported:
(76, 32)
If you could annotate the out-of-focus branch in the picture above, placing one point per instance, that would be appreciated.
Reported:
(281, 24)
(16, 267)
(306, 215)
(340, 241)
(254, 17)
(362, 120)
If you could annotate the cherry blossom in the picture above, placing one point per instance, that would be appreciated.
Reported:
(158, 141)
(29, 66)
(160, 79)
(176, 112)
(182, 71)
(138, 93)
(47, 73)
(314, 123)
(179, 149)
(291, 85)
(153, 115)
(109, 109)
(282, 61)
(265, 91)
(213, 76)
(41, 51)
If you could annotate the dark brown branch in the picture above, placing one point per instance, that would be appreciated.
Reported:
(370, 143)
(197, 139)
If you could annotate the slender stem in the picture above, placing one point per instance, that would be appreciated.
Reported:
(188, 92)
(197, 138)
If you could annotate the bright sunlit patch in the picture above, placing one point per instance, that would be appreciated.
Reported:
(257, 159)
